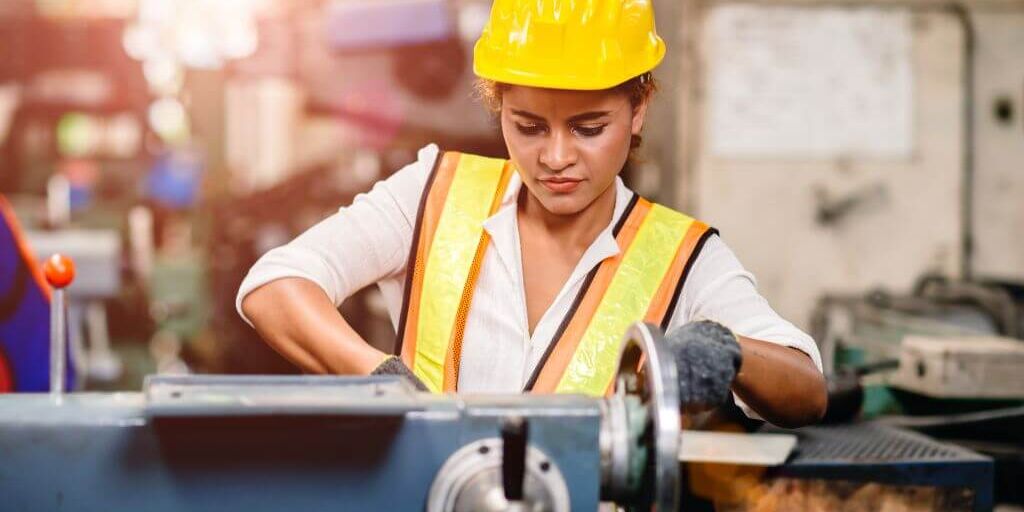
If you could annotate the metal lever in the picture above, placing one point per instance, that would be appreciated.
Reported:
(59, 271)
(514, 436)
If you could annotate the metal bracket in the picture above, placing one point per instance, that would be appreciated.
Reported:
(300, 395)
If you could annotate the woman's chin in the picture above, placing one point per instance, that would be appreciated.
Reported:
(563, 204)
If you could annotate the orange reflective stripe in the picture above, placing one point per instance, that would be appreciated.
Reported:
(448, 248)
(433, 203)
(453, 359)
(551, 376)
(34, 268)
(670, 285)
(565, 346)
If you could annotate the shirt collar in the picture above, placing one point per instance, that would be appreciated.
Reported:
(503, 230)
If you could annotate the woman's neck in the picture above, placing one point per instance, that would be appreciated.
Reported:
(577, 230)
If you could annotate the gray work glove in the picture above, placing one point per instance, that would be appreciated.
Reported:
(394, 366)
(707, 359)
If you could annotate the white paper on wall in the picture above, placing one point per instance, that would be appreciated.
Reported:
(809, 82)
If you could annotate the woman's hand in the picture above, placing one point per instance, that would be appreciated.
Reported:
(780, 383)
(707, 358)
(394, 366)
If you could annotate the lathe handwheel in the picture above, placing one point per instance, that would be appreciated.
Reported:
(656, 386)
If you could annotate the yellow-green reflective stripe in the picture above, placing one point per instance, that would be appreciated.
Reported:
(451, 255)
(626, 301)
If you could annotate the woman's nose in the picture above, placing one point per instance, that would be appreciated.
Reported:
(559, 152)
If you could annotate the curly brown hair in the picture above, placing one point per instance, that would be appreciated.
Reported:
(638, 89)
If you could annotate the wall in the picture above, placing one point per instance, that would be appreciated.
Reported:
(999, 175)
(909, 220)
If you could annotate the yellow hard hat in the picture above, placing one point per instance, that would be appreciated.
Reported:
(568, 44)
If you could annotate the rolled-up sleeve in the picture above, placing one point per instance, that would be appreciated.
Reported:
(719, 288)
(357, 246)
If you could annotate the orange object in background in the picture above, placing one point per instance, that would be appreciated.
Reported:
(59, 270)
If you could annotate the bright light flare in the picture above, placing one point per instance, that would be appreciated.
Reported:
(168, 119)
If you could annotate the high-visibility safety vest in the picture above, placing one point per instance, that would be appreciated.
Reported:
(643, 282)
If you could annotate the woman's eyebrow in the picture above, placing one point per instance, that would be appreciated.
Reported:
(588, 116)
(528, 115)
(578, 118)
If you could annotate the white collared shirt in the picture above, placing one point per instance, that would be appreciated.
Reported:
(369, 241)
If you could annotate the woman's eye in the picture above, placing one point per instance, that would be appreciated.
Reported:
(589, 131)
(529, 129)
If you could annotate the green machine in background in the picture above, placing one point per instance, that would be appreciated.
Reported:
(863, 336)
(946, 360)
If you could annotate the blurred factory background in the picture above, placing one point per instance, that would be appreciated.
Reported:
(842, 148)
(864, 159)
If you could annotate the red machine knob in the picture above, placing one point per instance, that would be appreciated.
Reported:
(59, 270)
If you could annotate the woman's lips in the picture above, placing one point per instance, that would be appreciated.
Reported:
(561, 185)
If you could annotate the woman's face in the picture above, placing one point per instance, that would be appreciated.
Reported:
(568, 145)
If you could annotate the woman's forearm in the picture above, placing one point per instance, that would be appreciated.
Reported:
(296, 318)
(780, 383)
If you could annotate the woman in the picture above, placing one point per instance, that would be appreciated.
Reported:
(522, 275)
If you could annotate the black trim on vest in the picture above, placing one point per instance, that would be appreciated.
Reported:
(682, 278)
(410, 266)
(576, 302)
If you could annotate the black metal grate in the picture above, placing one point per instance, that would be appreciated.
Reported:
(872, 443)
(870, 452)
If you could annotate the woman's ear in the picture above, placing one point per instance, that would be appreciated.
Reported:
(639, 113)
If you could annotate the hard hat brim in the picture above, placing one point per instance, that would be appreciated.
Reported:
(488, 69)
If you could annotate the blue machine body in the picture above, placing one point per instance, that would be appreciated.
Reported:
(269, 443)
